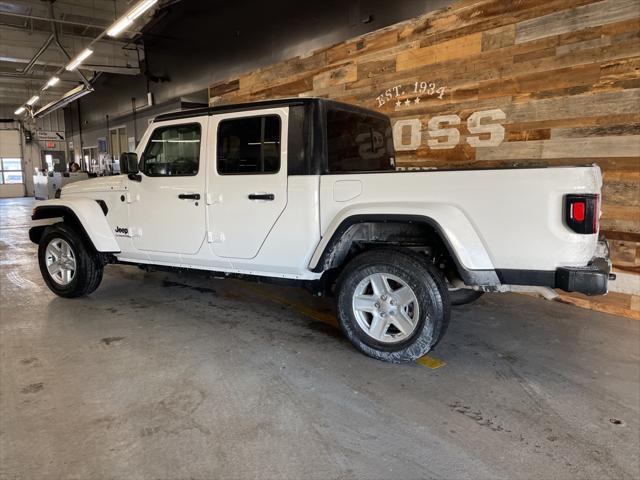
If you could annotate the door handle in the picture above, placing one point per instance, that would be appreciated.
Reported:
(189, 196)
(262, 196)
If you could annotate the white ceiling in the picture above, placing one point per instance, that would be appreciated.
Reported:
(25, 27)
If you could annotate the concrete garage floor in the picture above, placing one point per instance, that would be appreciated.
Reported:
(159, 376)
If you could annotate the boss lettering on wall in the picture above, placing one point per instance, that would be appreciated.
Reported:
(443, 131)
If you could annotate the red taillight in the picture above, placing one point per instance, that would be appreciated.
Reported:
(581, 213)
(577, 211)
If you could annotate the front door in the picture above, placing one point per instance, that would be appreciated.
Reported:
(247, 189)
(167, 208)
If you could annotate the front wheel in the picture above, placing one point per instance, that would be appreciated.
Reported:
(392, 305)
(69, 266)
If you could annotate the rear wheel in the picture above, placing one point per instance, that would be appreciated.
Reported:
(69, 267)
(392, 305)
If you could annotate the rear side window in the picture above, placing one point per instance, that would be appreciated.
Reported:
(358, 142)
(249, 146)
(173, 151)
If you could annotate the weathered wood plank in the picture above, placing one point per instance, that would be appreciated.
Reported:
(337, 76)
(576, 106)
(375, 68)
(498, 38)
(625, 253)
(365, 44)
(597, 131)
(463, 47)
(607, 304)
(224, 88)
(600, 13)
(565, 147)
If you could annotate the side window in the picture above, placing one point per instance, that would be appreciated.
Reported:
(358, 142)
(173, 151)
(249, 145)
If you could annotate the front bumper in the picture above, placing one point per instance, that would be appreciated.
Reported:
(590, 280)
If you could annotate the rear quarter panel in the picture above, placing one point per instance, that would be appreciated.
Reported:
(502, 219)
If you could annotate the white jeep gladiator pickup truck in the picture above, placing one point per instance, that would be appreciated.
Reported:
(306, 190)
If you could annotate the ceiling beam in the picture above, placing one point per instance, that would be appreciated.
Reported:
(104, 11)
(99, 26)
(108, 56)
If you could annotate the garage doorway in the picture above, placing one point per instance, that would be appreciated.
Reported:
(11, 166)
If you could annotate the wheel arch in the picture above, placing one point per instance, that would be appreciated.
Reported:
(333, 252)
(87, 216)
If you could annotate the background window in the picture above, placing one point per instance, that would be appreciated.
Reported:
(249, 145)
(173, 151)
(11, 170)
(358, 143)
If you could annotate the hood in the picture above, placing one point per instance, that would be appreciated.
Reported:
(99, 184)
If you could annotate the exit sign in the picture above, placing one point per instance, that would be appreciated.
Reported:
(51, 144)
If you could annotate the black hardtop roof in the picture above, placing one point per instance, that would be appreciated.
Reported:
(280, 102)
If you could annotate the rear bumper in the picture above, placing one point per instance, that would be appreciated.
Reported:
(590, 280)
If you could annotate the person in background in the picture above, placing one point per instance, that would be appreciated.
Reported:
(73, 166)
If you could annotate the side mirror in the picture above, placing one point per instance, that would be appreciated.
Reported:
(129, 163)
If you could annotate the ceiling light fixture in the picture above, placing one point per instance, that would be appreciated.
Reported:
(73, 64)
(19, 110)
(52, 81)
(66, 99)
(120, 25)
(33, 100)
(141, 8)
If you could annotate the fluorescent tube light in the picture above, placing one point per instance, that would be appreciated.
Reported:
(73, 64)
(67, 98)
(140, 9)
(32, 100)
(19, 110)
(52, 81)
(120, 25)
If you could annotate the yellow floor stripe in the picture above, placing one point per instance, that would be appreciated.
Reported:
(430, 362)
(427, 361)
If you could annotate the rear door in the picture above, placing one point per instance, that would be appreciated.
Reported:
(247, 186)
(167, 211)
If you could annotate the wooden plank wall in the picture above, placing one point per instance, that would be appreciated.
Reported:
(489, 83)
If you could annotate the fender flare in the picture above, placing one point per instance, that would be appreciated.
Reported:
(87, 214)
(486, 275)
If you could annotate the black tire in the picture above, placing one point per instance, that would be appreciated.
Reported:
(89, 268)
(462, 296)
(427, 284)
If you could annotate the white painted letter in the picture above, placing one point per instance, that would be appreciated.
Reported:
(495, 130)
(452, 134)
(416, 136)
